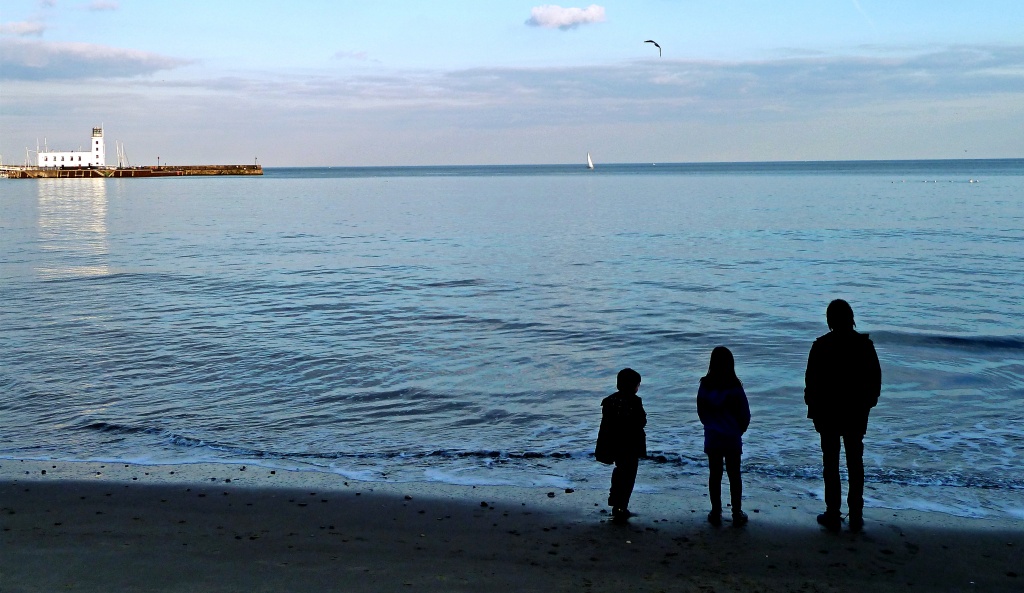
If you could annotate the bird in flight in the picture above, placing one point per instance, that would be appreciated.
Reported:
(655, 45)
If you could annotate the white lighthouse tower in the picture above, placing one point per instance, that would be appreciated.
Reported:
(96, 156)
(99, 149)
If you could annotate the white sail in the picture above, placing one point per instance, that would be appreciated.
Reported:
(590, 163)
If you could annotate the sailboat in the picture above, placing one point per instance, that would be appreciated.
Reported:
(590, 163)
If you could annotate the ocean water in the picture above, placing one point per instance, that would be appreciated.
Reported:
(461, 324)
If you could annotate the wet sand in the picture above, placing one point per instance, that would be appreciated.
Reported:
(111, 527)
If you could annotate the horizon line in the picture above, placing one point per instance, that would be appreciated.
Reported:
(645, 163)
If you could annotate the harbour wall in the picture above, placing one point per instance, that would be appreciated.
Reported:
(121, 172)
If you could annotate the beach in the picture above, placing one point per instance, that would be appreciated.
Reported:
(220, 527)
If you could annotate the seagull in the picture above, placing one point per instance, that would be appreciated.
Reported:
(655, 45)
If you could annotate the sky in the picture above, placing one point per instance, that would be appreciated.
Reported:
(458, 82)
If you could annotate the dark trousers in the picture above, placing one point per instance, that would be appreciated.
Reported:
(854, 445)
(731, 462)
(623, 479)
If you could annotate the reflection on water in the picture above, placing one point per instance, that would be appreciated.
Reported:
(73, 227)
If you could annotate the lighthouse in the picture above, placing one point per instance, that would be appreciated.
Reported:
(99, 150)
(96, 156)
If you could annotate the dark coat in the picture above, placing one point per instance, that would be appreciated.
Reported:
(621, 435)
(725, 414)
(842, 383)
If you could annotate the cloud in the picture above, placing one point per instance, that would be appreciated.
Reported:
(647, 88)
(931, 104)
(769, 86)
(23, 29)
(876, 104)
(47, 3)
(643, 90)
(550, 16)
(98, 5)
(36, 60)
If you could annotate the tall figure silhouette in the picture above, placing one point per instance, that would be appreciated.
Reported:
(842, 384)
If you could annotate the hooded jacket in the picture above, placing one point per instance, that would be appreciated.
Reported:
(842, 382)
(725, 414)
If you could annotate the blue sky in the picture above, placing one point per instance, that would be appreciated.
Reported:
(456, 82)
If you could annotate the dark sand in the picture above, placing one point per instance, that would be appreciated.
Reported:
(110, 527)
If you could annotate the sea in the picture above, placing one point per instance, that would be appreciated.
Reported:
(461, 325)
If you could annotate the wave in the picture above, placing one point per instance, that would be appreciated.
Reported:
(1011, 343)
(668, 460)
(456, 283)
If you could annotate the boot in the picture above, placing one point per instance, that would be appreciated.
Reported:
(831, 520)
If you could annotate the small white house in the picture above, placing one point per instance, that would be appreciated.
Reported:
(96, 156)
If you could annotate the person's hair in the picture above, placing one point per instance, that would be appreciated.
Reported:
(627, 379)
(839, 315)
(721, 370)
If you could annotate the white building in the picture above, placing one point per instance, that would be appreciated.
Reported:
(96, 156)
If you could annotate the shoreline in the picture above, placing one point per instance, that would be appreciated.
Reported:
(214, 527)
(655, 479)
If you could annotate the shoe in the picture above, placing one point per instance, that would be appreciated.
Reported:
(856, 523)
(621, 514)
(739, 519)
(830, 521)
(715, 518)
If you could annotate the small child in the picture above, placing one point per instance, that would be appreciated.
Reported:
(621, 439)
(725, 414)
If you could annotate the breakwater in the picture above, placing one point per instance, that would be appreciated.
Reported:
(121, 172)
